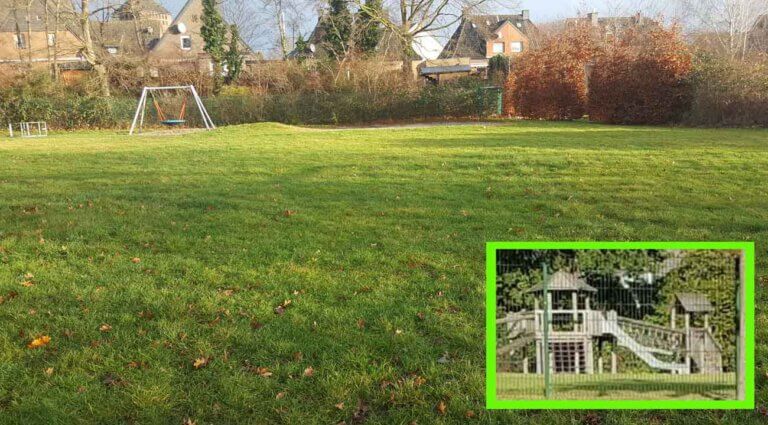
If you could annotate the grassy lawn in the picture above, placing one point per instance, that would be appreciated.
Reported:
(269, 274)
(622, 386)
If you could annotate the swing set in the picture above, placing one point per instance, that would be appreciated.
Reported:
(180, 119)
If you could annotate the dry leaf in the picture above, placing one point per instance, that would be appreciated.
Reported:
(289, 213)
(263, 372)
(189, 421)
(361, 323)
(201, 362)
(41, 341)
(441, 407)
(420, 315)
(49, 371)
(339, 406)
(469, 414)
(28, 276)
(105, 327)
(280, 395)
(135, 260)
(27, 283)
(297, 356)
(256, 325)
(308, 372)
(398, 331)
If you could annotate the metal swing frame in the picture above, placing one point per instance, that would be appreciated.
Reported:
(138, 117)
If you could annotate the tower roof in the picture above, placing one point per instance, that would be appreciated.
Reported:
(565, 281)
(133, 7)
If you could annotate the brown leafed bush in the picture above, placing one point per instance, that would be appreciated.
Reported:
(550, 82)
(641, 78)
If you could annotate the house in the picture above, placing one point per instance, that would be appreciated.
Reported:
(424, 46)
(480, 37)
(181, 45)
(133, 29)
(30, 34)
(609, 28)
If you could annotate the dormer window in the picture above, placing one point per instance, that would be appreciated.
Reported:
(516, 46)
(112, 50)
(186, 42)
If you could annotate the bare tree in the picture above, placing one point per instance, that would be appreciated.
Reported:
(94, 58)
(410, 18)
(727, 22)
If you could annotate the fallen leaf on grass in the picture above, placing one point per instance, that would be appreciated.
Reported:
(297, 356)
(201, 362)
(49, 371)
(27, 283)
(135, 260)
(309, 372)
(361, 323)
(189, 421)
(280, 395)
(262, 371)
(288, 213)
(420, 315)
(469, 414)
(111, 380)
(280, 309)
(441, 407)
(105, 327)
(38, 342)
(256, 324)
(146, 314)
(339, 406)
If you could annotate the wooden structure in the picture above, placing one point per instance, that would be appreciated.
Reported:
(573, 329)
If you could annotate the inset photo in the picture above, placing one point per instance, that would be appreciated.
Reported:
(620, 325)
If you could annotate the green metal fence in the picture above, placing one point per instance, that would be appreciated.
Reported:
(619, 325)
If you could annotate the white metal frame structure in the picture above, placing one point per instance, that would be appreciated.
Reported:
(138, 118)
(26, 129)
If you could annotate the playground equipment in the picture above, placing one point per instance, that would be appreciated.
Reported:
(180, 118)
(564, 325)
(29, 129)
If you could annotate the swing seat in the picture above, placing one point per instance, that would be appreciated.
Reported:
(173, 123)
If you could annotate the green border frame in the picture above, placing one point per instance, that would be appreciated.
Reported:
(749, 320)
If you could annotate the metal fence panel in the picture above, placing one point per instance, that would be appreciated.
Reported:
(623, 325)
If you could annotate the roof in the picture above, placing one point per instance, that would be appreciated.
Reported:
(469, 39)
(564, 281)
(693, 302)
(13, 15)
(127, 9)
(615, 23)
(126, 36)
(449, 69)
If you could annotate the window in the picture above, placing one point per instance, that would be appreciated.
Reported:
(51, 40)
(112, 50)
(186, 42)
(516, 46)
(498, 47)
(20, 40)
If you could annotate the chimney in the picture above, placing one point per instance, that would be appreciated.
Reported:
(526, 14)
(592, 18)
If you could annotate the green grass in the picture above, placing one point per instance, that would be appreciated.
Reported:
(376, 236)
(622, 386)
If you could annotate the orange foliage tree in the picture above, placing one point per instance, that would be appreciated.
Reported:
(641, 78)
(550, 82)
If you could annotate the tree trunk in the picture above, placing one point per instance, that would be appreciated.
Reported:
(407, 40)
(89, 53)
(281, 28)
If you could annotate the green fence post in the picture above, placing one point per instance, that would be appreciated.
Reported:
(547, 309)
(499, 101)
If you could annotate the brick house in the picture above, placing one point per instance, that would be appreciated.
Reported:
(480, 37)
(30, 34)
